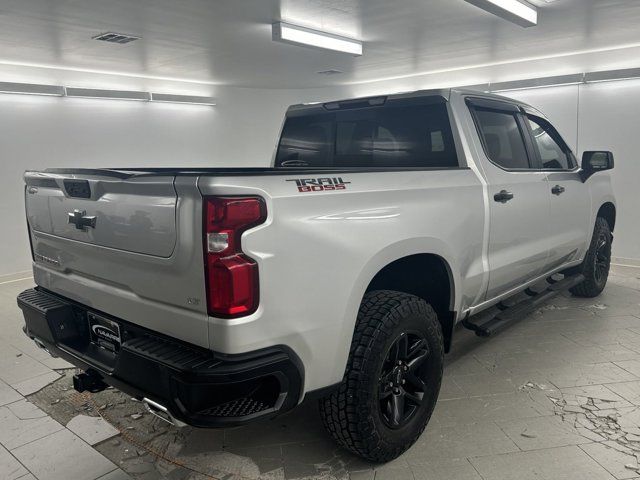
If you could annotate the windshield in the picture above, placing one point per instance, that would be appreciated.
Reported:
(386, 136)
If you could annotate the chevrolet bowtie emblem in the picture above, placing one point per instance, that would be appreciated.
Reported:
(80, 219)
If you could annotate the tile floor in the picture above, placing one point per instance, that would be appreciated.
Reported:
(556, 396)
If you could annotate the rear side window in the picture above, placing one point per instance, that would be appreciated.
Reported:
(389, 136)
(553, 152)
(502, 139)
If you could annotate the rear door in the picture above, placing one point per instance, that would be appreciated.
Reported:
(518, 196)
(568, 196)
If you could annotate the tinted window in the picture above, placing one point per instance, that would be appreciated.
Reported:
(552, 151)
(306, 141)
(502, 139)
(389, 136)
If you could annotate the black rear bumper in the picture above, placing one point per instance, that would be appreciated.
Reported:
(197, 386)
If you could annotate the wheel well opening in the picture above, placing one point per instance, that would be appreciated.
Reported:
(608, 212)
(426, 276)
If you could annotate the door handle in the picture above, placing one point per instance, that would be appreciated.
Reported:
(558, 190)
(503, 196)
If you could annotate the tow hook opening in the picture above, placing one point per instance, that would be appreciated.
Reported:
(161, 412)
(88, 382)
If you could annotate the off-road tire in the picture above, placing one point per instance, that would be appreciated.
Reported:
(352, 413)
(594, 283)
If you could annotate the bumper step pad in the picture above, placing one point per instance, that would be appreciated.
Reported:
(236, 408)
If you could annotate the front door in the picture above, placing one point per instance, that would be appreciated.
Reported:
(569, 229)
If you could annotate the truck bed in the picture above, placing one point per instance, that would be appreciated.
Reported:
(225, 171)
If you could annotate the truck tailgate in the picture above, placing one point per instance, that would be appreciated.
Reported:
(135, 214)
(124, 244)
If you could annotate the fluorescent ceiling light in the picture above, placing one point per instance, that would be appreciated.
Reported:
(555, 81)
(612, 75)
(47, 66)
(191, 99)
(532, 87)
(60, 91)
(287, 33)
(107, 94)
(515, 11)
(31, 89)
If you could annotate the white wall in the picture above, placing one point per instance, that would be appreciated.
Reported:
(603, 116)
(610, 120)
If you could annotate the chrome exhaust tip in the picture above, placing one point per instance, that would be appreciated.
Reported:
(161, 412)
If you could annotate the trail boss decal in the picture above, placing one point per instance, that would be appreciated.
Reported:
(319, 184)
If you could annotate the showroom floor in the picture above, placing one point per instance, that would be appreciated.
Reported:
(556, 396)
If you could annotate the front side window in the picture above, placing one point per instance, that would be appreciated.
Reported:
(502, 139)
(553, 152)
(417, 136)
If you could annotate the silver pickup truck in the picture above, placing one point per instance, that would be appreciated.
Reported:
(223, 295)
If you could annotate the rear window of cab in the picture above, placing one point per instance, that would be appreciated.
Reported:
(417, 136)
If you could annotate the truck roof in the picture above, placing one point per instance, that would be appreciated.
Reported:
(373, 100)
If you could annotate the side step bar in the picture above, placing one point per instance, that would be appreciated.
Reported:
(503, 314)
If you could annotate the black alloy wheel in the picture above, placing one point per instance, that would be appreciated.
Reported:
(602, 258)
(401, 386)
(392, 380)
(597, 262)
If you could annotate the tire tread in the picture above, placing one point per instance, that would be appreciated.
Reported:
(380, 313)
(588, 288)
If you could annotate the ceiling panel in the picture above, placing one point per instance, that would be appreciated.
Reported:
(229, 41)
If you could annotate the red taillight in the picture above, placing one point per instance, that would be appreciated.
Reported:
(231, 276)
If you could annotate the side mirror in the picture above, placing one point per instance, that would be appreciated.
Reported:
(594, 162)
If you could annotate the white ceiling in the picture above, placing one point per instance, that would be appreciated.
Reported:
(229, 41)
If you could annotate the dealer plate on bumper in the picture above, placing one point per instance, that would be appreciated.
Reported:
(104, 332)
